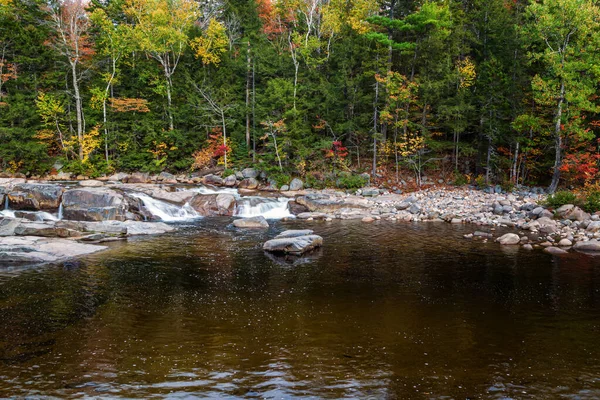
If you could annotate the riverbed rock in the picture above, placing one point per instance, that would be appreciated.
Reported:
(592, 245)
(138, 177)
(36, 250)
(248, 183)
(296, 184)
(293, 244)
(28, 228)
(292, 233)
(258, 222)
(93, 204)
(565, 243)
(576, 214)
(555, 250)
(167, 178)
(211, 179)
(8, 226)
(527, 246)
(210, 205)
(91, 183)
(370, 192)
(118, 177)
(230, 181)
(35, 196)
(509, 239)
(317, 202)
(368, 219)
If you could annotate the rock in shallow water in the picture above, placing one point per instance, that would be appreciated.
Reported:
(555, 250)
(509, 239)
(293, 242)
(254, 222)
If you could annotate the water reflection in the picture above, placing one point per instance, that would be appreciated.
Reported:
(383, 310)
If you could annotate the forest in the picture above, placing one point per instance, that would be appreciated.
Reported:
(475, 91)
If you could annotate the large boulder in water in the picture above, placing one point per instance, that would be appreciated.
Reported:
(35, 196)
(93, 204)
(592, 245)
(296, 184)
(293, 242)
(509, 239)
(210, 205)
(248, 183)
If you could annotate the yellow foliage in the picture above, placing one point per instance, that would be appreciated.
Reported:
(212, 44)
(466, 72)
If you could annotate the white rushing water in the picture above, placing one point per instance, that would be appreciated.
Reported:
(269, 208)
(165, 211)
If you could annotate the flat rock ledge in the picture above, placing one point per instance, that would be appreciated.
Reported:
(37, 250)
(294, 242)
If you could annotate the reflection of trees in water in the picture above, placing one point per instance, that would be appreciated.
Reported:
(373, 313)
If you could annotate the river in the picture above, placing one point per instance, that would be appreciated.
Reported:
(384, 310)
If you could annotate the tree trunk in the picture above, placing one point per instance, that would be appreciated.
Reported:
(374, 171)
(78, 110)
(248, 77)
(224, 138)
(558, 141)
(169, 99)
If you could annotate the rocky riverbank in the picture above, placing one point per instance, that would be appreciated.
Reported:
(94, 211)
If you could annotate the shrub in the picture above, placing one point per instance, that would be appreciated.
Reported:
(460, 179)
(592, 202)
(351, 181)
(560, 199)
(480, 181)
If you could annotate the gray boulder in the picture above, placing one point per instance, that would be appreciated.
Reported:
(291, 233)
(555, 250)
(370, 192)
(293, 245)
(230, 181)
(250, 173)
(139, 177)
(210, 205)
(248, 183)
(35, 196)
(8, 226)
(591, 245)
(258, 222)
(93, 204)
(120, 176)
(211, 179)
(509, 239)
(91, 183)
(296, 184)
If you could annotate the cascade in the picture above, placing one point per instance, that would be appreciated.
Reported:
(165, 211)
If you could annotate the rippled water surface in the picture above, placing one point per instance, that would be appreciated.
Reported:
(383, 311)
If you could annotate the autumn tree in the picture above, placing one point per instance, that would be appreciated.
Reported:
(563, 38)
(70, 25)
(161, 29)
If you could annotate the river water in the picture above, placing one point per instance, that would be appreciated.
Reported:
(384, 310)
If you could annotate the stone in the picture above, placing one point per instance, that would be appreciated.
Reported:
(36, 250)
(527, 247)
(592, 245)
(166, 177)
(509, 239)
(8, 226)
(576, 214)
(456, 221)
(118, 177)
(284, 188)
(211, 179)
(230, 181)
(93, 204)
(139, 177)
(555, 250)
(565, 243)
(35, 196)
(593, 226)
(248, 183)
(91, 183)
(482, 234)
(368, 219)
(291, 233)
(38, 229)
(402, 206)
(258, 222)
(249, 173)
(563, 210)
(296, 184)
(318, 202)
(414, 208)
(210, 205)
(293, 245)
(370, 192)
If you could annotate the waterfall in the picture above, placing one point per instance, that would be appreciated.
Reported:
(6, 202)
(270, 208)
(165, 211)
(45, 216)
(7, 212)
(60, 212)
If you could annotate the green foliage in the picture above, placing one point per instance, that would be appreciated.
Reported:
(349, 181)
(561, 198)
(591, 203)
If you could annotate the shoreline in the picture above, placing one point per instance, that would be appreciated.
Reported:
(97, 212)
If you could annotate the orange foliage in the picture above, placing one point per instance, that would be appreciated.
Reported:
(128, 104)
(212, 152)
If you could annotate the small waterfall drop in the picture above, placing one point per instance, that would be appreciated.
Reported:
(165, 211)
(7, 212)
(270, 208)
(6, 202)
(59, 215)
